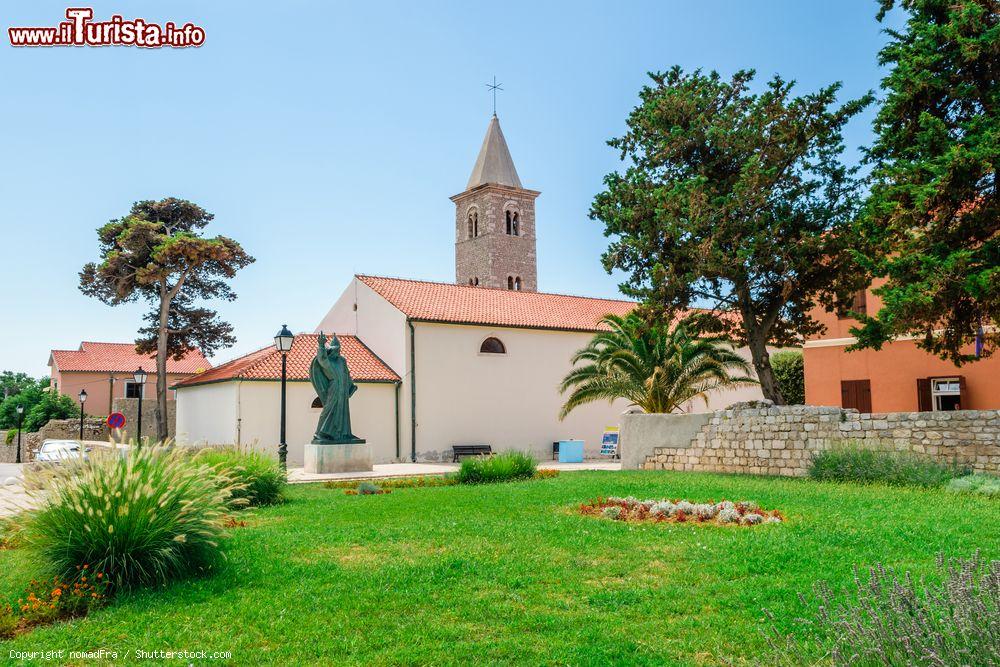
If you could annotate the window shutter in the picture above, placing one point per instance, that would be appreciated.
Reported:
(864, 396)
(924, 395)
(962, 393)
(861, 302)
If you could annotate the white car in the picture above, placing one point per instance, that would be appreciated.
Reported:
(60, 450)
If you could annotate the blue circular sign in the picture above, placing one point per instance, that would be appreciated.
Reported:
(116, 420)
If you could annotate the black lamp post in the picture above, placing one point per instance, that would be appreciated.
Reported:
(83, 399)
(283, 342)
(140, 379)
(20, 419)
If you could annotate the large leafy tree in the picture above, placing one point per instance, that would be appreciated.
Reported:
(933, 216)
(656, 367)
(157, 254)
(735, 200)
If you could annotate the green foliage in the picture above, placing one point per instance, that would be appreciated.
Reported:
(367, 489)
(12, 383)
(790, 373)
(932, 222)
(895, 619)
(734, 200)
(852, 462)
(505, 467)
(51, 406)
(653, 366)
(146, 519)
(260, 480)
(28, 397)
(179, 267)
(987, 485)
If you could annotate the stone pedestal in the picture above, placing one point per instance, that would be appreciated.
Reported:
(350, 457)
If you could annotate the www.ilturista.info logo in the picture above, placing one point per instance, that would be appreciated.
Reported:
(79, 30)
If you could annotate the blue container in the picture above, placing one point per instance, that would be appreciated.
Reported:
(571, 451)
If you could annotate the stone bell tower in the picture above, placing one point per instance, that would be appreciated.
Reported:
(495, 222)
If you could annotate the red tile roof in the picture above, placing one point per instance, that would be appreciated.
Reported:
(265, 363)
(461, 304)
(121, 358)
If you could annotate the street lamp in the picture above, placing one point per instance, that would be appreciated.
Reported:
(83, 399)
(140, 379)
(283, 342)
(20, 418)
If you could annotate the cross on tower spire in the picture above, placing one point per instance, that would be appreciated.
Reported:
(494, 87)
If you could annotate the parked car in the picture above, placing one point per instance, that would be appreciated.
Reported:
(60, 450)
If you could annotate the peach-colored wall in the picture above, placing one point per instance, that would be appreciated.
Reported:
(893, 371)
(98, 387)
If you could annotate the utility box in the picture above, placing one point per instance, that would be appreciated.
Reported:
(571, 451)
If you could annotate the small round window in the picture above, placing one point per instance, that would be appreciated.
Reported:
(492, 346)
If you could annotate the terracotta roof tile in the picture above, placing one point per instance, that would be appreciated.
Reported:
(265, 363)
(121, 358)
(461, 304)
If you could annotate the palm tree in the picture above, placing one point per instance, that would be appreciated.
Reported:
(655, 367)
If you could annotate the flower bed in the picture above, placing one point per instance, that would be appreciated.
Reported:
(742, 513)
(52, 600)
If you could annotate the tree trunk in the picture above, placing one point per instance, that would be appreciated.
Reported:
(762, 365)
(161, 371)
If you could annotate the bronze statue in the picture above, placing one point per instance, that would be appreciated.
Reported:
(332, 381)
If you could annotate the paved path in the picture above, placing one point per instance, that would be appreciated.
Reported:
(12, 496)
(387, 470)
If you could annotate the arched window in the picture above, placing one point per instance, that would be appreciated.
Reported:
(470, 282)
(517, 225)
(492, 346)
(471, 230)
(316, 403)
(476, 283)
(475, 222)
(509, 223)
(510, 282)
(517, 283)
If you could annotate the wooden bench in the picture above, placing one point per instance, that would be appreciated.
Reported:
(471, 450)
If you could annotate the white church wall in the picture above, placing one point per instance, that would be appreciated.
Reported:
(207, 413)
(379, 324)
(509, 401)
(255, 416)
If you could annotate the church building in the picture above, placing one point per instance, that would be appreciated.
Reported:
(477, 361)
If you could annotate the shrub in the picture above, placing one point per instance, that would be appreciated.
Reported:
(260, 479)
(850, 462)
(790, 373)
(367, 489)
(150, 518)
(897, 621)
(505, 467)
(987, 485)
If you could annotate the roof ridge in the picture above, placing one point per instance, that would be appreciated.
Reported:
(494, 289)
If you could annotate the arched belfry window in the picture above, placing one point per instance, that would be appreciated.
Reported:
(492, 346)
(510, 222)
(510, 282)
(517, 283)
(473, 223)
(517, 224)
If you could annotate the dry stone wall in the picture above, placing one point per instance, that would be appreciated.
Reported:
(758, 438)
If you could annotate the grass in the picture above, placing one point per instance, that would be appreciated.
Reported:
(513, 573)
(853, 462)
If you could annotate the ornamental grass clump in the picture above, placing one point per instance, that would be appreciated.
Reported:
(261, 480)
(146, 519)
(852, 462)
(505, 467)
(894, 620)
(986, 485)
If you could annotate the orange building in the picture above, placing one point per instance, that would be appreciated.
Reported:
(898, 378)
(106, 371)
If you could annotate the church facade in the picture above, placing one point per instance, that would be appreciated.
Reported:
(477, 361)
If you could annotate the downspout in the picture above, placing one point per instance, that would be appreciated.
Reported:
(396, 394)
(413, 392)
(239, 413)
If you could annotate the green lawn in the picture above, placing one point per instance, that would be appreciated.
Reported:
(511, 573)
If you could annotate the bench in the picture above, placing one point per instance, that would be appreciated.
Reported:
(471, 450)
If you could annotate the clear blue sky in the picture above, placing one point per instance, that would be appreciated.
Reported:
(327, 137)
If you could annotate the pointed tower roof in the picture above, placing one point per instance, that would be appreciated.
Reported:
(494, 164)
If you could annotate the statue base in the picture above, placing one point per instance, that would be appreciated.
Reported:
(346, 457)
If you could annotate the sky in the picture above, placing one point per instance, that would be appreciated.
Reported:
(326, 137)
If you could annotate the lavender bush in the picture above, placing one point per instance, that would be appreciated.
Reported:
(897, 621)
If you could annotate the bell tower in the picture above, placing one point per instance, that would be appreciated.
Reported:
(495, 222)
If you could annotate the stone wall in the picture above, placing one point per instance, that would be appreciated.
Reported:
(130, 408)
(757, 438)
